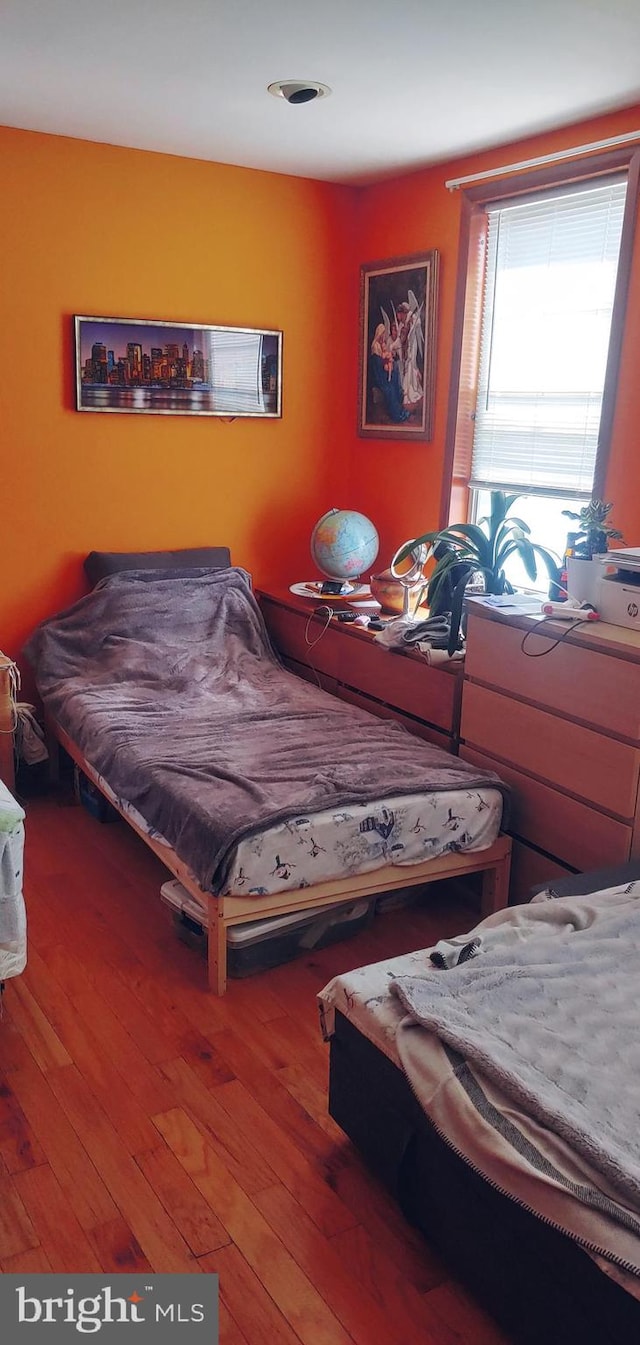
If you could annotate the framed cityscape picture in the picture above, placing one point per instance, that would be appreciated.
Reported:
(397, 347)
(177, 368)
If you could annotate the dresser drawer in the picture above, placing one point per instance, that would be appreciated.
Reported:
(530, 868)
(597, 688)
(304, 639)
(309, 674)
(406, 683)
(579, 760)
(384, 711)
(574, 833)
(403, 682)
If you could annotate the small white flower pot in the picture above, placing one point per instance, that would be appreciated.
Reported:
(583, 578)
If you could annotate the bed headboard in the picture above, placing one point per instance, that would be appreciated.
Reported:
(100, 564)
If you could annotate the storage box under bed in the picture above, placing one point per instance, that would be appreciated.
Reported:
(261, 944)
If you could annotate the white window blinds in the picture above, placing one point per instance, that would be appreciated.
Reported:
(549, 291)
(236, 371)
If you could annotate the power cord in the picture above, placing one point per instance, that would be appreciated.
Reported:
(325, 611)
(570, 625)
(328, 613)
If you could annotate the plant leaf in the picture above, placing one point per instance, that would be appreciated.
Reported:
(514, 522)
(457, 603)
(471, 537)
(428, 538)
(528, 557)
(549, 558)
(443, 569)
(512, 530)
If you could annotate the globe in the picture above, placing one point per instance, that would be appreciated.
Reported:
(344, 544)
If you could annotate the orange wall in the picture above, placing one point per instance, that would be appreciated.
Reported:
(399, 484)
(94, 229)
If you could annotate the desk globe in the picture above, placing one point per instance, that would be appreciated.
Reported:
(344, 544)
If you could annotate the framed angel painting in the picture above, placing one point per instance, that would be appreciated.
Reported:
(398, 302)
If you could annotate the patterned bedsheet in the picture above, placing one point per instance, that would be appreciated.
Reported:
(334, 844)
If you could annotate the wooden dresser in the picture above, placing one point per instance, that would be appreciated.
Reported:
(7, 724)
(561, 724)
(345, 660)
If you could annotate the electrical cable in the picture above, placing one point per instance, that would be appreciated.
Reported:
(570, 625)
(328, 613)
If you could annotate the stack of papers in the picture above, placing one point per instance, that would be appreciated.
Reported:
(510, 602)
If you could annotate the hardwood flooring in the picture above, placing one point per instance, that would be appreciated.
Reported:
(147, 1125)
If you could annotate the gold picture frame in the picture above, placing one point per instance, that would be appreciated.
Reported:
(397, 347)
(141, 366)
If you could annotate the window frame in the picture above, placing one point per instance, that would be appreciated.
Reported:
(463, 387)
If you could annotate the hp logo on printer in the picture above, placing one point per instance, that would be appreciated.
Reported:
(633, 609)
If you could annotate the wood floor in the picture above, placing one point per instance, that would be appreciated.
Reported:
(146, 1125)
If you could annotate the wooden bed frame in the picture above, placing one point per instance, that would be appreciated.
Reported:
(224, 911)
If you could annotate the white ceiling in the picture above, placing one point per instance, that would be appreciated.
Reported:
(414, 81)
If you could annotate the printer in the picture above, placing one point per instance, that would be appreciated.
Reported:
(619, 591)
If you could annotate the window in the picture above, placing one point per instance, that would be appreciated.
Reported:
(538, 344)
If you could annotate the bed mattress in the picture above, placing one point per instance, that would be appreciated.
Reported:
(13, 920)
(171, 691)
(341, 843)
(541, 1286)
(517, 1153)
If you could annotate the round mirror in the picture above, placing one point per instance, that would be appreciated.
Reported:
(409, 571)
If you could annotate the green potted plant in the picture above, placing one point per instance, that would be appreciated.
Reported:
(464, 550)
(594, 533)
(589, 542)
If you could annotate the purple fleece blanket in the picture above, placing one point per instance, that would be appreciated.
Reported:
(170, 687)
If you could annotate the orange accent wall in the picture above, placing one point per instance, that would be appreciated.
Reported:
(399, 484)
(94, 229)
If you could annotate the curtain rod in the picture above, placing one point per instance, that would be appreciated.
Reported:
(455, 182)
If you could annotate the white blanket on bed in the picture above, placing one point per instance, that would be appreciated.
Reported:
(549, 1011)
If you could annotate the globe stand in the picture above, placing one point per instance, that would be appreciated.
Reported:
(339, 587)
(411, 579)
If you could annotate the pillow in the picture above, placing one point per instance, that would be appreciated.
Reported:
(99, 564)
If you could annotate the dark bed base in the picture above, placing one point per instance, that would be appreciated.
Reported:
(540, 1286)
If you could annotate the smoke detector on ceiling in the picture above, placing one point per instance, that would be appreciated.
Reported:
(298, 90)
